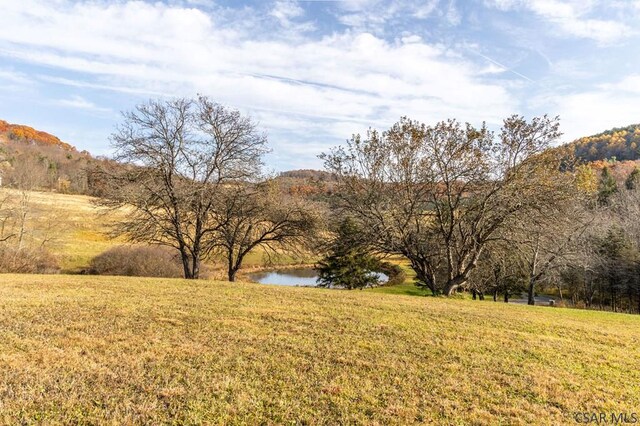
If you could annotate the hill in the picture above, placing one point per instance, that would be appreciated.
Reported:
(308, 174)
(94, 350)
(622, 144)
(33, 159)
(70, 226)
(28, 135)
(73, 228)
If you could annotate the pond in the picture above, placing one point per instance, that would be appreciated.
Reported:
(294, 277)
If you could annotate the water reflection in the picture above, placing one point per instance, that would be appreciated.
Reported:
(293, 277)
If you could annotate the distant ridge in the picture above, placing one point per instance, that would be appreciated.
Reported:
(620, 143)
(319, 175)
(26, 134)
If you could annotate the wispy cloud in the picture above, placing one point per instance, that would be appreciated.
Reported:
(13, 81)
(312, 79)
(79, 102)
(572, 18)
(344, 77)
(286, 13)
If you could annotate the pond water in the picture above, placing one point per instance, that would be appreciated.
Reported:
(294, 277)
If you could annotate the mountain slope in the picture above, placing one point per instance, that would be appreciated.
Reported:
(29, 135)
(33, 159)
(621, 143)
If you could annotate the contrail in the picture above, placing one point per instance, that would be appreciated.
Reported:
(503, 66)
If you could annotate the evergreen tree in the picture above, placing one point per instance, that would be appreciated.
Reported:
(348, 264)
(632, 180)
(607, 186)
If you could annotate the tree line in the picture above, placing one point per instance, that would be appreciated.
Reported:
(621, 143)
(492, 213)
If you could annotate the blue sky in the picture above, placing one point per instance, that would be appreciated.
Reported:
(314, 72)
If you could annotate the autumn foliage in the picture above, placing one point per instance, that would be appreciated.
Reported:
(30, 135)
(622, 144)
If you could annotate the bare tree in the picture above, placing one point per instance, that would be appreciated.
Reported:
(180, 153)
(500, 271)
(547, 241)
(438, 195)
(260, 215)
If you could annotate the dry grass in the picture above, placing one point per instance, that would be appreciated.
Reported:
(72, 225)
(76, 231)
(77, 350)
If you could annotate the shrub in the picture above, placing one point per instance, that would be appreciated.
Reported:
(138, 261)
(395, 273)
(27, 261)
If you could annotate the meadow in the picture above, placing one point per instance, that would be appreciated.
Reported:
(116, 350)
(76, 230)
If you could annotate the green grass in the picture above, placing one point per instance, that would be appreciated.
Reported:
(88, 350)
(407, 288)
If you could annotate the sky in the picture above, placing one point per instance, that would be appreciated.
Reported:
(312, 73)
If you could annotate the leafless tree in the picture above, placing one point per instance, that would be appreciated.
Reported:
(438, 195)
(180, 153)
(547, 241)
(261, 215)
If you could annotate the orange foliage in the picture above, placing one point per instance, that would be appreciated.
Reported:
(304, 190)
(620, 143)
(619, 169)
(29, 134)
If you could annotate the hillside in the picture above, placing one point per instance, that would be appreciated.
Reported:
(33, 159)
(28, 135)
(74, 228)
(155, 351)
(70, 226)
(621, 143)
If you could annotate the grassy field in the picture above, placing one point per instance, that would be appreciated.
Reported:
(76, 230)
(71, 224)
(78, 349)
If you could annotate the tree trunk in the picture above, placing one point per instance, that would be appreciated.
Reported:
(453, 285)
(560, 292)
(474, 294)
(481, 295)
(532, 284)
(532, 273)
(424, 276)
(231, 274)
(506, 297)
(186, 264)
(495, 294)
(195, 271)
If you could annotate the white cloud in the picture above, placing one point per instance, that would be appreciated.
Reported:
(493, 69)
(79, 102)
(374, 15)
(13, 82)
(572, 18)
(589, 112)
(452, 15)
(304, 90)
(286, 12)
(630, 84)
(424, 9)
(14, 77)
